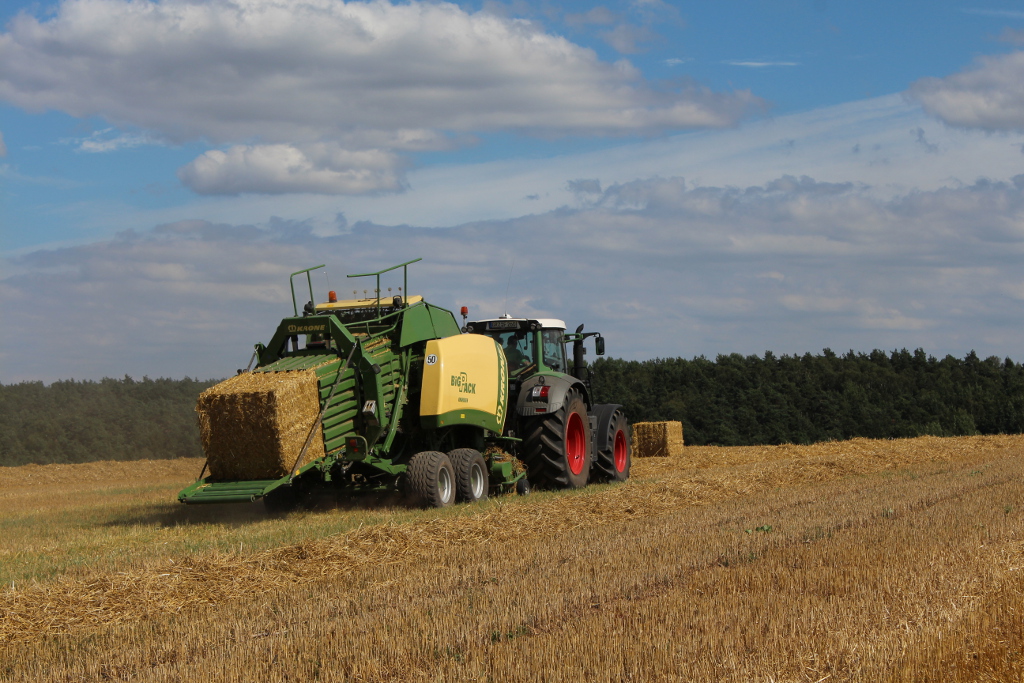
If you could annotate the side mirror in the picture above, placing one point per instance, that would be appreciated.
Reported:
(599, 345)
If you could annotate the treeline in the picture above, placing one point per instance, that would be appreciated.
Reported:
(731, 401)
(71, 421)
(744, 400)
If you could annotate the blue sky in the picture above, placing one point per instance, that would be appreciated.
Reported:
(691, 178)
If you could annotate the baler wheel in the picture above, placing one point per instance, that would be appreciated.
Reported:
(614, 450)
(470, 474)
(431, 479)
(557, 445)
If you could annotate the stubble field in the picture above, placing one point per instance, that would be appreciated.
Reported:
(854, 561)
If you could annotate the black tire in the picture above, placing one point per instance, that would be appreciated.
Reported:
(431, 479)
(614, 448)
(523, 487)
(470, 474)
(557, 445)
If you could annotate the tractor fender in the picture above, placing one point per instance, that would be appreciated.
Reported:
(560, 386)
(603, 413)
(600, 416)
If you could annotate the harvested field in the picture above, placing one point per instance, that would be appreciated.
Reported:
(852, 561)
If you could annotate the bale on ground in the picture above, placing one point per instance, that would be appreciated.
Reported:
(254, 425)
(657, 439)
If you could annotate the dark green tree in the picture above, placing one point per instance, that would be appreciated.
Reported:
(743, 400)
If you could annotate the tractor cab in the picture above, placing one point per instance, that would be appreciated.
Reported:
(530, 346)
(538, 346)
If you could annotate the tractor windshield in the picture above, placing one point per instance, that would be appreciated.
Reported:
(518, 347)
(554, 350)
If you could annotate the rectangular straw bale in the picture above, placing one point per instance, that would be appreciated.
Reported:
(657, 439)
(254, 425)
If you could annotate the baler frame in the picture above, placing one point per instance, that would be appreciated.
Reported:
(362, 400)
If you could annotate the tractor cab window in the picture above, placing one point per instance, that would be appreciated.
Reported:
(518, 348)
(554, 350)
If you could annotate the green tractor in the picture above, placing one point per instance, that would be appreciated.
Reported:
(403, 401)
(562, 436)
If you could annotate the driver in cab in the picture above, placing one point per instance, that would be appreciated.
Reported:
(517, 360)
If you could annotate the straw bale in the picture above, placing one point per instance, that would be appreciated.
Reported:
(657, 439)
(254, 425)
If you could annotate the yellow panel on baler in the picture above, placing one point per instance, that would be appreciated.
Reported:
(464, 382)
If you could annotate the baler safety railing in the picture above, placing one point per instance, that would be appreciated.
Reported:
(309, 279)
(405, 279)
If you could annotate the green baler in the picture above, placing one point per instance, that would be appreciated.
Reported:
(406, 402)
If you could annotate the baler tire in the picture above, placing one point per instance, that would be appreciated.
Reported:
(431, 479)
(615, 450)
(470, 474)
(557, 445)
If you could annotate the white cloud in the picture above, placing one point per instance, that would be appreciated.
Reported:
(890, 159)
(759, 64)
(110, 140)
(275, 169)
(287, 72)
(1009, 35)
(584, 186)
(661, 267)
(601, 16)
(628, 39)
(989, 96)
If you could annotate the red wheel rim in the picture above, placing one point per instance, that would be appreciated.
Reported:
(575, 443)
(621, 451)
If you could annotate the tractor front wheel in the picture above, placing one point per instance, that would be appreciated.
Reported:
(431, 479)
(557, 445)
(470, 474)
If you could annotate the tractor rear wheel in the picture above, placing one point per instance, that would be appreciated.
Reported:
(614, 450)
(431, 479)
(557, 445)
(470, 474)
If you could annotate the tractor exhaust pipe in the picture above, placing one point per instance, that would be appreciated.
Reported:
(579, 364)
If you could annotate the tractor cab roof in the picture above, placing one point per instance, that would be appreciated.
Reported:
(488, 325)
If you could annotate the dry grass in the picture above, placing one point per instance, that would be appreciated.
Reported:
(79, 521)
(852, 561)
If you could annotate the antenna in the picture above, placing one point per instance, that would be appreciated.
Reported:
(509, 284)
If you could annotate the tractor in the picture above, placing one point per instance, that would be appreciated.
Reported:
(564, 438)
